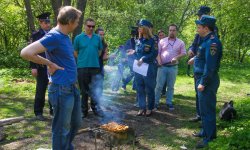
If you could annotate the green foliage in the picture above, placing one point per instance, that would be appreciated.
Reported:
(117, 16)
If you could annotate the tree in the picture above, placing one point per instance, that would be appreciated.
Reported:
(30, 19)
(81, 5)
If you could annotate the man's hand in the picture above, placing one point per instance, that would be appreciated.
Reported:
(201, 87)
(124, 59)
(174, 60)
(34, 72)
(190, 53)
(158, 60)
(191, 61)
(130, 52)
(139, 62)
(53, 67)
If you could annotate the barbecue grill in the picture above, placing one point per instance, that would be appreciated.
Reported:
(113, 139)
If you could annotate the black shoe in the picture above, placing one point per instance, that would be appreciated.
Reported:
(51, 112)
(201, 145)
(195, 134)
(195, 119)
(84, 115)
(149, 113)
(141, 112)
(40, 118)
(99, 113)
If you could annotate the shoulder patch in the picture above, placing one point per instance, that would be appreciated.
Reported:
(213, 49)
(212, 36)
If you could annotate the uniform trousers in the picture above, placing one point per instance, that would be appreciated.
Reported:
(207, 101)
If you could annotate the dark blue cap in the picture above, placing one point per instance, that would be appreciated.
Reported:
(204, 10)
(144, 22)
(44, 16)
(206, 20)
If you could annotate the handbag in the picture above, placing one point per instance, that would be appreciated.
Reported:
(227, 111)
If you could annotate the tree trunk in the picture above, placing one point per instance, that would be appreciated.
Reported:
(81, 5)
(66, 2)
(30, 19)
(240, 47)
(56, 4)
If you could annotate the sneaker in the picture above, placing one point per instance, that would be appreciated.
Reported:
(156, 108)
(123, 88)
(195, 119)
(170, 107)
(136, 105)
(201, 144)
(40, 118)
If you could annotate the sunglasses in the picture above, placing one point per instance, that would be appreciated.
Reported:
(90, 26)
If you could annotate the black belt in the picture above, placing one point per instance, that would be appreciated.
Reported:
(169, 64)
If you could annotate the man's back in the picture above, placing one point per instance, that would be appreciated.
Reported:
(60, 51)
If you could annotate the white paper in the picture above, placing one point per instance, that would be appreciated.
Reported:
(143, 69)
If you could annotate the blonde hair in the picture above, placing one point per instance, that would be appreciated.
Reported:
(146, 32)
(68, 14)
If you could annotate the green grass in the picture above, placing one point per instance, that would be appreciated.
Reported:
(17, 90)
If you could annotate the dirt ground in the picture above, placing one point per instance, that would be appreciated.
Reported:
(122, 111)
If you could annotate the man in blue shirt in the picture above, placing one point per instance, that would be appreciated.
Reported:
(63, 93)
(88, 47)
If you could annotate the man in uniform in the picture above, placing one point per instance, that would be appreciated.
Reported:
(40, 71)
(206, 67)
(204, 10)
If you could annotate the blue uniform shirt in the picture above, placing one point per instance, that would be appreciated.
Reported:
(61, 52)
(207, 60)
(195, 45)
(145, 49)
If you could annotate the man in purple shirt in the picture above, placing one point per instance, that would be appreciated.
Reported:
(170, 50)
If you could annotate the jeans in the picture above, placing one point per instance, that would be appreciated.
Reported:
(65, 100)
(165, 74)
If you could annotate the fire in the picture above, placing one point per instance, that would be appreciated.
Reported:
(114, 127)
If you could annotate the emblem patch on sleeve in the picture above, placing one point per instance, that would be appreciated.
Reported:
(213, 49)
(147, 48)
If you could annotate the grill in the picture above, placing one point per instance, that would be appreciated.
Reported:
(113, 139)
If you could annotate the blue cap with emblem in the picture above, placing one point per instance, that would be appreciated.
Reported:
(44, 17)
(146, 23)
(204, 10)
(206, 20)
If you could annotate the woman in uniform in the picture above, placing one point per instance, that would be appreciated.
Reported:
(145, 53)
